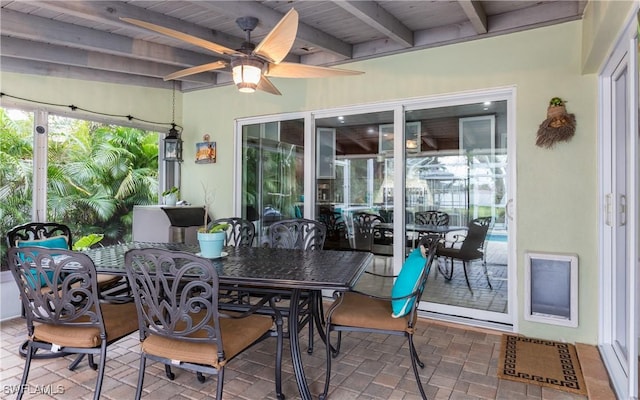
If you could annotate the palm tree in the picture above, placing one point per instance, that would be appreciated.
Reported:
(96, 173)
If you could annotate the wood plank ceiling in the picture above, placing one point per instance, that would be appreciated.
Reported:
(87, 40)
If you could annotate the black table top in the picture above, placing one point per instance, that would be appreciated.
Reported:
(258, 266)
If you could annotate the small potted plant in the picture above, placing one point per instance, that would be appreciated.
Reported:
(170, 196)
(212, 240)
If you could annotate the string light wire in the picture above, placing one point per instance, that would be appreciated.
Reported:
(76, 108)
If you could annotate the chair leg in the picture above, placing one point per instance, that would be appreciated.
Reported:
(466, 276)
(414, 363)
(143, 362)
(330, 355)
(336, 350)
(103, 361)
(92, 363)
(168, 373)
(446, 272)
(220, 385)
(30, 351)
(486, 273)
(75, 362)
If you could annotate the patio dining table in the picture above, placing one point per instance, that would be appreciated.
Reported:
(257, 267)
(385, 230)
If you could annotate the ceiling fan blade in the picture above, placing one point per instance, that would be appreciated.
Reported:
(266, 86)
(294, 70)
(276, 45)
(216, 48)
(195, 70)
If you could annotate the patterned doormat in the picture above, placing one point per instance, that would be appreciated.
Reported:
(541, 362)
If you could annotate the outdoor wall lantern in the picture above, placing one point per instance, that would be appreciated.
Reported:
(172, 142)
(173, 145)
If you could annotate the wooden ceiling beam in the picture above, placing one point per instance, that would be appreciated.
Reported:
(372, 14)
(270, 17)
(35, 28)
(35, 51)
(475, 12)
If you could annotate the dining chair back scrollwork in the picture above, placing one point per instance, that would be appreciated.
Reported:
(240, 233)
(363, 230)
(432, 217)
(52, 235)
(337, 237)
(299, 233)
(38, 231)
(63, 310)
(467, 248)
(176, 296)
(356, 311)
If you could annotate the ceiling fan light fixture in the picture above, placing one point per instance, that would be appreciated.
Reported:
(247, 73)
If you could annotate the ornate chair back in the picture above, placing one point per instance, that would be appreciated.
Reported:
(363, 224)
(300, 233)
(432, 217)
(336, 228)
(240, 233)
(33, 231)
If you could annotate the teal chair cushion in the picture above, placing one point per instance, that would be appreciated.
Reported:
(407, 283)
(56, 242)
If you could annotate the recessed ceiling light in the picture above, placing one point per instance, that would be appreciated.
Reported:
(487, 103)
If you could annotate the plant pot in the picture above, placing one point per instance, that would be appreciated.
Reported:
(170, 199)
(211, 244)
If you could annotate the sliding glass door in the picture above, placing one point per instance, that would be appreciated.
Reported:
(391, 164)
(456, 172)
(272, 173)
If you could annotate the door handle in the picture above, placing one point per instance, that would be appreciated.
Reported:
(508, 209)
(607, 209)
(623, 210)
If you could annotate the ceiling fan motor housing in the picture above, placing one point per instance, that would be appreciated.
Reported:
(247, 24)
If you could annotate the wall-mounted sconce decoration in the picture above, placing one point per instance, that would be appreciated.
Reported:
(559, 125)
(205, 151)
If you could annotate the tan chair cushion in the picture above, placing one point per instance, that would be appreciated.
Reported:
(237, 334)
(358, 310)
(119, 319)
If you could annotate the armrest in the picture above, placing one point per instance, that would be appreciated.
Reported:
(388, 298)
(380, 275)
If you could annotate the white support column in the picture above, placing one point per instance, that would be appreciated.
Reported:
(40, 144)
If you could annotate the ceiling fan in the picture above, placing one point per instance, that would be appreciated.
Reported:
(252, 64)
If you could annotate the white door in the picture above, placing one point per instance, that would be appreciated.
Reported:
(619, 155)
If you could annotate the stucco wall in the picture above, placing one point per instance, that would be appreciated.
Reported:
(556, 189)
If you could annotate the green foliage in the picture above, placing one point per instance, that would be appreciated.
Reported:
(218, 228)
(87, 241)
(172, 190)
(96, 174)
(556, 101)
